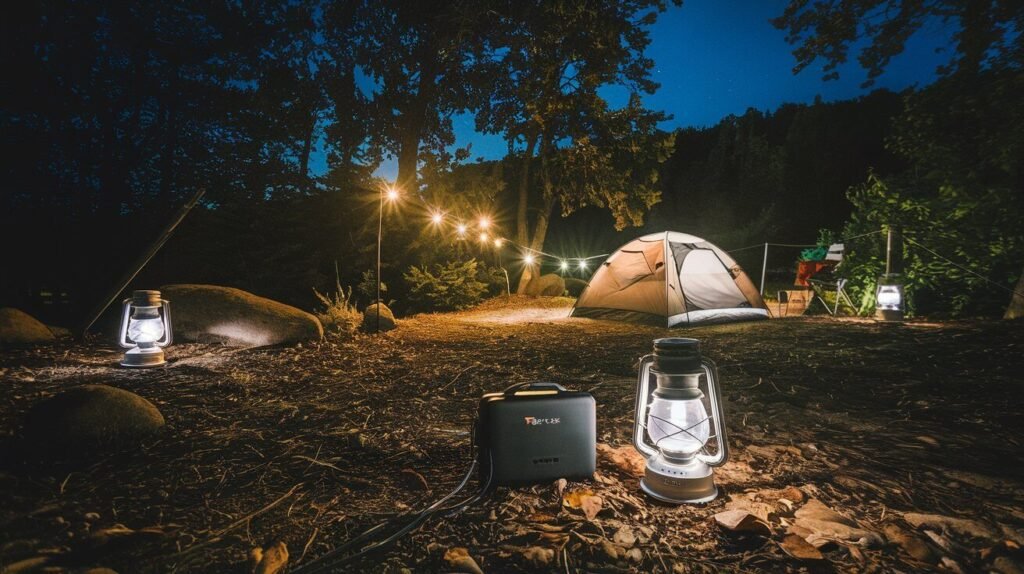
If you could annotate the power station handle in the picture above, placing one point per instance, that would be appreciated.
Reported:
(539, 386)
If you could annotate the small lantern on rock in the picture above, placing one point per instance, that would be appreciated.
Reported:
(673, 428)
(145, 329)
(889, 298)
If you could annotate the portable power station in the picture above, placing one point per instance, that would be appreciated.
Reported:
(535, 433)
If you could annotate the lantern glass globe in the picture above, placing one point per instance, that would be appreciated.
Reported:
(145, 331)
(679, 427)
(888, 297)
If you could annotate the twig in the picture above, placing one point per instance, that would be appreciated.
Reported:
(452, 382)
(243, 520)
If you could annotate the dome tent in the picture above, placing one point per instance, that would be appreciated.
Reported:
(704, 285)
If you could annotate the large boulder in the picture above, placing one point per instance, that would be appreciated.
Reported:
(210, 313)
(549, 285)
(387, 318)
(19, 328)
(91, 416)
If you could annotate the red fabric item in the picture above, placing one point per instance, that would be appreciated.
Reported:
(807, 269)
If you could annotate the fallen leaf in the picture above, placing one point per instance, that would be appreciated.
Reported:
(458, 558)
(965, 527)
(539, 556)
(624, 537)
(912, 544)
(414, 480)
(742, 521)
(624, 458)
(799, 548)
(269, 560)
(584, 500)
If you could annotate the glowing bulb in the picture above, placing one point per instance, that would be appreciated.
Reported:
(392, 194)
(437, 217)
(498, 242)
(583, 265)
(528, 259)
(461, 229)
(678, 426)
(484, 223)
(483, 238)
(564, 265)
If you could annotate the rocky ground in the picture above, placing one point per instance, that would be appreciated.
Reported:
(856, 447)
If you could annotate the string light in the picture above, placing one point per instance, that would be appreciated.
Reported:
(583, 264)
(564, 265)
(498, 242)
(437, 218)
(485, 223)
(461, 228)
(528, 259)
(392, 194)
(483, 237)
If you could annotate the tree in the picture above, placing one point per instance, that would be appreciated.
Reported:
(546, 65)
(962, 195)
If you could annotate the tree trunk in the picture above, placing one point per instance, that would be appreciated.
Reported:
(307, 146)
(413, 120)
(540, 228)
(522, 223)
(1016, 308)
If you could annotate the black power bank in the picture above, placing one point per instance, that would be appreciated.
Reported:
(536, 433)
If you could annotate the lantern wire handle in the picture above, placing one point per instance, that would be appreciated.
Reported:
(122, 336)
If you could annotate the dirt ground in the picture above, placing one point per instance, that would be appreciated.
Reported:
(856, 446)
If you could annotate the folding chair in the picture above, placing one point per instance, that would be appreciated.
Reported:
(828, 282)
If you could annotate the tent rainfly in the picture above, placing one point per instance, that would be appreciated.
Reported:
(670, 279)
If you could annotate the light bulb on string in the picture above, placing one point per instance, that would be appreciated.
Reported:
(485, 222)
(392, 194)
(498, 242)
(461, 229)
(483, 237)
(437, 217)
(583, 264)
(529, 259)
(564, 265)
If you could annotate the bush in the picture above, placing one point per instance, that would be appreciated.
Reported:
(450, 287)
(339, 313)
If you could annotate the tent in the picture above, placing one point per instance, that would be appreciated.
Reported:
(670, 279)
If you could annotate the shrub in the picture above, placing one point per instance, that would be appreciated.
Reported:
(339, 313)
(449, 287)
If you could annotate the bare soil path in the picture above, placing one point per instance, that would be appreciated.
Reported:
(911, 433)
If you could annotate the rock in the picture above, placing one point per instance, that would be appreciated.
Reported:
(19, 328)
(91, 416)
(210, 313)
(575, 286)
(549, 285)
(414, 480)
(624, 537)
(387, 318)
(538, 556)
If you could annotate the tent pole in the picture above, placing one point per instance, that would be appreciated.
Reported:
(764, 267)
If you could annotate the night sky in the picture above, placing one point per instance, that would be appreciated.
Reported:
(716, 58)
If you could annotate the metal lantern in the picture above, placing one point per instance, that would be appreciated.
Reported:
(145, 329)
(672, 426)
(889, 298)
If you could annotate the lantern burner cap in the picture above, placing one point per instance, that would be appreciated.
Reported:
(677, 355)
(145, 298)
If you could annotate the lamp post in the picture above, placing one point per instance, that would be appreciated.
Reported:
(145, 331)
(672, 425)
(392, 196)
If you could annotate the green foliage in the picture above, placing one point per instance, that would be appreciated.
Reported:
(367, 286)
(339, 313)
(448, 287)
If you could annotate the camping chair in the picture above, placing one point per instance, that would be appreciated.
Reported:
(824, 281)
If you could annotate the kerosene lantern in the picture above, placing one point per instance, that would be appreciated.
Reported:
(672, 426)
(145, 329)
(889, 298)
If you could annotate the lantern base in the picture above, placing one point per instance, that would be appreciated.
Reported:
(144, 358)
(673, 483)
(888, 315)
